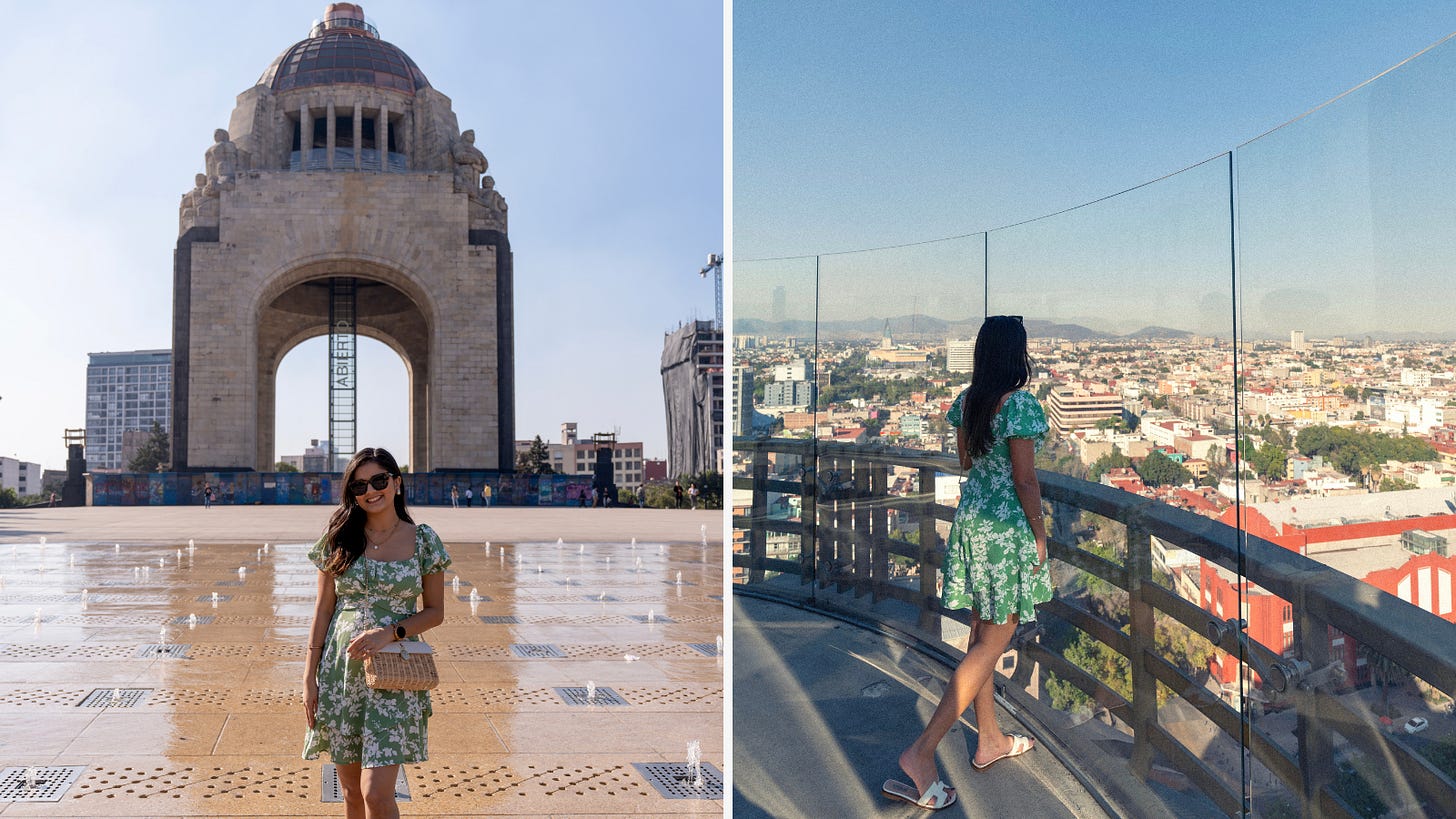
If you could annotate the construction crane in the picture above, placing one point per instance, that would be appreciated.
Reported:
(715, 265)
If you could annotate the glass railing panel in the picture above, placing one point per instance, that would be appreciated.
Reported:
(1348, 431)
(1128, 308)
(890, 321)
(774, 353)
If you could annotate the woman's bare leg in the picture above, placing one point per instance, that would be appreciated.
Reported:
(971, 681)
(351, 789)
(379, 792)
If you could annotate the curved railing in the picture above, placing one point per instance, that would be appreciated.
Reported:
(1341, 762)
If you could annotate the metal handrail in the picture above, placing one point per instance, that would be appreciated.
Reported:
(846, 545)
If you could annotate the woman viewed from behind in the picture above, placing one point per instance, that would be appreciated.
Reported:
(374, 563)
(995, 562)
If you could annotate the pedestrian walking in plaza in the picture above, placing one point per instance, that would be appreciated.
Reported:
(995, 560)
(677, 494)
(693, 495)
(454, 496)
(485, 495)
(469, 497)
(641, 496)
(207, 496)
(373, 563)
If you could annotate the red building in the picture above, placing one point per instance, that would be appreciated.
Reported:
(654, 470)
(1424, 580)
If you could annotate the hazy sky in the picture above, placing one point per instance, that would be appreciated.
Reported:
(865, 124)
(602, 122)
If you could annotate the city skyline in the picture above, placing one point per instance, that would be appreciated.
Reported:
(613, 205)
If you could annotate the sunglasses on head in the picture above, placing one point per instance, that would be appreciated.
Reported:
(378, 482)
(1016, 319)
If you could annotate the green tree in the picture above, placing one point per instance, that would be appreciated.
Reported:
(283, 466)
(1270, 461)
(710, 488)
(1352, 392)
(1159, 470)
(1112, 460)
(154, 454)
(1159, 402)
(8, 498)
(536, 460)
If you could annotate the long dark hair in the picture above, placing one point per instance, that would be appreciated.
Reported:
(345, 533)
(1000, 365)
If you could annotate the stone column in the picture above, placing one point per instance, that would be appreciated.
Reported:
(381, 137)
(330, 128)
(358, 134)
(305, 136)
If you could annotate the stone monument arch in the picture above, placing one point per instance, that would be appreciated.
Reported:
(343, 200)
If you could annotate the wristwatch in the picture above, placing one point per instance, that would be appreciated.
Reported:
(399, 631)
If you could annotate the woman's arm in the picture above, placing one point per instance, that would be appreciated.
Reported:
(430, 615)
(323, 615)
(963, 444)
(1028, 491)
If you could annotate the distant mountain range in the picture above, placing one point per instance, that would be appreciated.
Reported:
(918, 326)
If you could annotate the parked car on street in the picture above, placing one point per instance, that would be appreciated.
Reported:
(1415, 725)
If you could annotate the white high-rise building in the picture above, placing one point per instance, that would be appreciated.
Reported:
(1296, 341)
(22, 476)
(960, 354)
(125, 391)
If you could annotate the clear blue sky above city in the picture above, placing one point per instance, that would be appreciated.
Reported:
(863, 125)
(602, 122)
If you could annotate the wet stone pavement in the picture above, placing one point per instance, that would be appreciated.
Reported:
(125, 708)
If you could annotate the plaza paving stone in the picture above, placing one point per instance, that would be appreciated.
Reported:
(218, 731)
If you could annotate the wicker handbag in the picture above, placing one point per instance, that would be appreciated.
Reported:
(404, 666)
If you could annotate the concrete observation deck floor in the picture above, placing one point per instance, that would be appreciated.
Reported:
(218, 731)
(822, 710)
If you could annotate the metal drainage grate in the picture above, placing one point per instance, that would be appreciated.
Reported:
(228, 583)
(155, 650)
(333, 794)
(207, 598)
(597, 598)
(536, 651)
(603, 696)
(51, 783)
(103, 698)
(499, 618)
(465, 598)
(675, 780)
(705, 649)
(656, 618)
(717, 597)
(675, 583)
(205, 620)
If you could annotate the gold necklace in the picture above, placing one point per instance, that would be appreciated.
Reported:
(376, 543)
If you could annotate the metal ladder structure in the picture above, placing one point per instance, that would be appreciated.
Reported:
(343, 370)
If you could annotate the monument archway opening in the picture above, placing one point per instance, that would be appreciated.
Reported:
(301, 405)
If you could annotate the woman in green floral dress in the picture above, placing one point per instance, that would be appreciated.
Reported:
(995, 562)
(373, 564)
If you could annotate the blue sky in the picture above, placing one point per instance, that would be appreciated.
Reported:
(603, 125)
(861, 125)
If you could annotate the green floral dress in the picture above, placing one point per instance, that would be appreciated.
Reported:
(991, 551)
(355, 723)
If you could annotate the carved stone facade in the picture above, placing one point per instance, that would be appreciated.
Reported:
(335, 167)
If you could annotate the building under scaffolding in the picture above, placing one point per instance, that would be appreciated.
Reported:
(692, 387)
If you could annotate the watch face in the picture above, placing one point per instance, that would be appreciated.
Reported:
(399, 632)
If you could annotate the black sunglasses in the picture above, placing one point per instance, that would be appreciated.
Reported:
(378, 482)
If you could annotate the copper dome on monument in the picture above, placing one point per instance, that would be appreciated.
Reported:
(344, 49)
